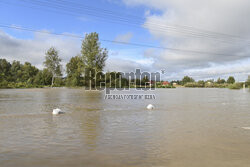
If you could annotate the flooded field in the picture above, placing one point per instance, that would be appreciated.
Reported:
(188, 127)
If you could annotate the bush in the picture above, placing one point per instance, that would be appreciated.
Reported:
(58, 82)
(194, 85)
(235, 86)
(215, 85)
(4, 84)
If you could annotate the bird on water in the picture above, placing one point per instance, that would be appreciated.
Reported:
(57, 111)
(150, 107)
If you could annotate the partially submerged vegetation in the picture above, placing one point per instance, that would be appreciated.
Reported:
(235, 86)
(220, 83)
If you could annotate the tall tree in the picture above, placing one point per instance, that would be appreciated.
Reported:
(16, 71)
(230, 80)
(4, 70)
(187, 79)
(43, 77)
(28, 72)
(53, 63)
(93, 55)
(221, 81)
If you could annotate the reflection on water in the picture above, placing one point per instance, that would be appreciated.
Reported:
(189, 127)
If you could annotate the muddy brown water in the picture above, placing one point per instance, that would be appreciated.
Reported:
(188, 127)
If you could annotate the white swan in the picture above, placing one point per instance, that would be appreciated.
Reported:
(57, 111)
(246, 128)
(150, 107)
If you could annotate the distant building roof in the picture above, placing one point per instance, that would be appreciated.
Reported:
(165, 83)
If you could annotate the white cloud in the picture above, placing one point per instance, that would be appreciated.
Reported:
(33, 50)
(176, 27)
(240, 69)
(127, 60)
(124, 37)
(126, 65)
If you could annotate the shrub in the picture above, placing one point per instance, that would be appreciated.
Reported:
(235, 86)
(4, 84)
(215, 85)
(194, 85)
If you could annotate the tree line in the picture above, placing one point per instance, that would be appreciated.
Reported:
(219, 83)
(17, 75)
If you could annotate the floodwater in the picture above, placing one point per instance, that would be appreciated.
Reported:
(188, 127)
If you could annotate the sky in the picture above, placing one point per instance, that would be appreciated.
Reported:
(202, 39)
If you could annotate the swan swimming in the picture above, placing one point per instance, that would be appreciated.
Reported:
(246, 128)
(150, 107)
(57, 111)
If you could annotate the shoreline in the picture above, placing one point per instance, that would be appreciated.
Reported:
(177, 87)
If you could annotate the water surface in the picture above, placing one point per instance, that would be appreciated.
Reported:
(189, 127)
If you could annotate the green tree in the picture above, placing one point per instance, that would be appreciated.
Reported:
(5, 67)
(39, 79)
(47, 77)
(93, 55)
(53, 63)
(74, 69)
(43, 77)
(230, 80)
(28, 73)
(201, 83)
(111, 78)
(144, 81)
(248, 81)
(187, 79)
(16, 71)
(221, 81)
